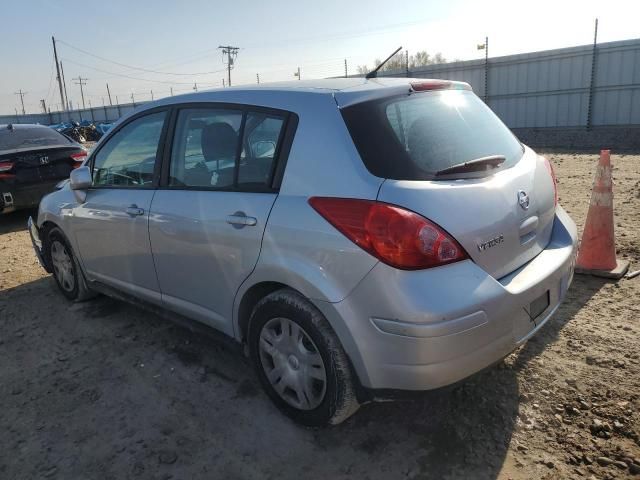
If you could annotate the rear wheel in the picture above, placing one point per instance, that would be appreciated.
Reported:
(66, 270)
(300, 361)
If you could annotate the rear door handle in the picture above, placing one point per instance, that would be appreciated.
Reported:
(134, 210)
(240, 219)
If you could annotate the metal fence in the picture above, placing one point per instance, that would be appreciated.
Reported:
(96, 114)
(567, 87)
(554, 88)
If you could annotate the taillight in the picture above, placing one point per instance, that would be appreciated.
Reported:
(78, 158)
(398, 237)
(547, 164)
(6, 166)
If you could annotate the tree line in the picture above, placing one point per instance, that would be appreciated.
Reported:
(399, 62)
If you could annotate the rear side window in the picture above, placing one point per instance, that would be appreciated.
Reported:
(205, 148)
(30, 137)
(411, 137)
(220, 148)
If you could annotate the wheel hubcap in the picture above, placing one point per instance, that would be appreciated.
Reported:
(292, 363)
(62, 266)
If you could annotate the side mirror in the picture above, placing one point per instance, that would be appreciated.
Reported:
(79, 182)
(264, 148)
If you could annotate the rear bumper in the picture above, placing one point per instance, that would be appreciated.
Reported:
(15, 196)
(420, 330)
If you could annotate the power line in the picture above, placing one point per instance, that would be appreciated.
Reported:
(128, 76)
(50, 83)
(136, 68)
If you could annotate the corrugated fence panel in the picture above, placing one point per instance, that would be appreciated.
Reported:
(551, 88)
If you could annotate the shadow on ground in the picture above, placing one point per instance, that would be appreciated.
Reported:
(103, 388)
(15, 221)
(583, 288)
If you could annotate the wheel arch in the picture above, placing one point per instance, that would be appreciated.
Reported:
(250, 293)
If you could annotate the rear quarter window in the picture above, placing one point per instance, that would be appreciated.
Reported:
(411, 137)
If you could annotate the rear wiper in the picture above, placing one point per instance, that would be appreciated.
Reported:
(483, 163)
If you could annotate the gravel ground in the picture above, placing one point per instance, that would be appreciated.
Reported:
(104, 390)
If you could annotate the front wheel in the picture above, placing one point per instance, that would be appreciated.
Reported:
(66, 270)
(300, 361)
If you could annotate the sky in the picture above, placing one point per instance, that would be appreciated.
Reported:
(142, 46)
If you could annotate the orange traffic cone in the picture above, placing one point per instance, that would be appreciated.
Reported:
(597, 254)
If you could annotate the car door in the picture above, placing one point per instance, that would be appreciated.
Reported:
(208, 217)
(112, 226)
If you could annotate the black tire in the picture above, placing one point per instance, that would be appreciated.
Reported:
(339, 401)
(77, 290)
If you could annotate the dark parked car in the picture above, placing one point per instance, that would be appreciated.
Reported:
(33, 159)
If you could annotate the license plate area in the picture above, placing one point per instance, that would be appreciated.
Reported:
(538, 306)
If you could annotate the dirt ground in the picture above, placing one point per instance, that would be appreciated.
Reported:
(104, 390)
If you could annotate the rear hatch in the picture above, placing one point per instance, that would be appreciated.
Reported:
(500, 209)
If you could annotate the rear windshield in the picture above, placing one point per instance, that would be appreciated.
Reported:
(20, 137)
(411, 137)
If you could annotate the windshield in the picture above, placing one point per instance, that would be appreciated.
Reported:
(411, 137)
(28, 137)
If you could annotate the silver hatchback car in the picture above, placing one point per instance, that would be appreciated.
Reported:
(357, 236)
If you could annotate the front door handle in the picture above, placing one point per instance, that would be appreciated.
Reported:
(240, 219)
(134, 210)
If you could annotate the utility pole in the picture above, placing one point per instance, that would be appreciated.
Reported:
(22, 94)
(485, 47)
(486, 70)
(231, 53)
(109, 94)
(345, 68)
(223, 84)
(258, 77)
(55, 56)
(64, 84)
(592, 83)
(171, 89)
(152, 95)
(81, 81)
(406, 61)
(297, 74)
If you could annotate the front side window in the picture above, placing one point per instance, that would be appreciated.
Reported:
(205, 147)
(128, 158)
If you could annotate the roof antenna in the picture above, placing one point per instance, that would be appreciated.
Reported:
(374, 73)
